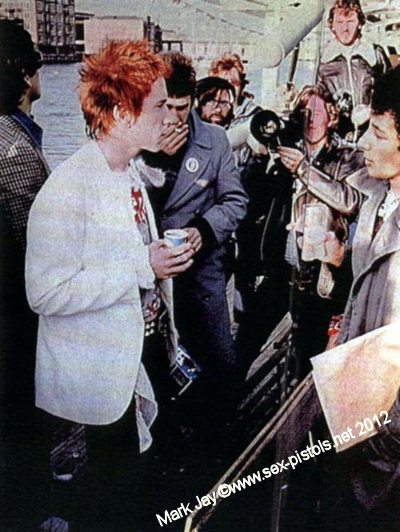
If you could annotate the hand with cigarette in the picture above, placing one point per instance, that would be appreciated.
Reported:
(168, 262)
(174, 137)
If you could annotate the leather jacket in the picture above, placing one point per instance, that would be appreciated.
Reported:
(324, 180)
(352, 70)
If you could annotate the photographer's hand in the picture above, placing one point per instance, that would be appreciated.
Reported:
(334, 249)
(290, 157)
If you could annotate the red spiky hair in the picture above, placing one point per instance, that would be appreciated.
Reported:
(122, 75)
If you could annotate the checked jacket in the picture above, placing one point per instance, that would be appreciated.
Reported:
(23, 170)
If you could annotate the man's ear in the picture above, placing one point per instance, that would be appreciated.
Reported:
(120, 115)
(28, 83)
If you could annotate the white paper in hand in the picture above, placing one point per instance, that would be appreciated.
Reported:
(358, 380)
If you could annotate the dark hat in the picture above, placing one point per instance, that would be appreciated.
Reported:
(17, 49)
(213, 82)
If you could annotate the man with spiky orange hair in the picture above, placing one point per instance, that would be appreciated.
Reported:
(99, 279)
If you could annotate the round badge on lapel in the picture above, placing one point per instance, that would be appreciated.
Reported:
(192, 165)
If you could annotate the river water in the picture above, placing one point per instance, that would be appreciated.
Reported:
(58, 112)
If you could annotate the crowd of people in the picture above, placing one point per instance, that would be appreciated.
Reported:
(138, 340)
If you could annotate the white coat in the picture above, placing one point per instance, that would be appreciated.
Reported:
(85, 264)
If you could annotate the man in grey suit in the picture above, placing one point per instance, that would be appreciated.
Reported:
(203, 195)
(363, 485)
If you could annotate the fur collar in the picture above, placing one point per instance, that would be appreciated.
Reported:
(151, 176)
(361, 47)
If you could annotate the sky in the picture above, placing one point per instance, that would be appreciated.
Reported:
(197, 19)
(175, 14)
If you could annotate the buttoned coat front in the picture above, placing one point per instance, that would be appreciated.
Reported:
(85, 264)
(374, 298)
(207, 187)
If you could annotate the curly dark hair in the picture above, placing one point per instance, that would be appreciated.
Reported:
(18, 58)
(182, 79)
(386, 96)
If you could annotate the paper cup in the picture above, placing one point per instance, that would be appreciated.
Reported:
(175, 237)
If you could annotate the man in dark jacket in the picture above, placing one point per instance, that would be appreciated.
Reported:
(23, 171)
(321, 169)
(204, 196)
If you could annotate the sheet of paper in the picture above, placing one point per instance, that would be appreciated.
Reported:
(357, 381)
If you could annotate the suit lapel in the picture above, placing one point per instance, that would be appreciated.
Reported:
(387, 240)
(41, 157)
(193, 167)
(150, 215)
(195, 161)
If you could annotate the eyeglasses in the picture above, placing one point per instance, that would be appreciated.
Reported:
(222, 104)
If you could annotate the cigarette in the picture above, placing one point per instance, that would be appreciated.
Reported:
(178, 130)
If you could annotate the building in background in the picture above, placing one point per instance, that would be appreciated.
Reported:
(23, 10)
(98, 30)
(171, 41)
(56, 29)
(51, 24)
(153, 34)
(80, 18)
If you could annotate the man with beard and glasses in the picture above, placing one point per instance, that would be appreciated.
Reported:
(214, 101)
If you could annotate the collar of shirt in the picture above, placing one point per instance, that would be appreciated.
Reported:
(319, 156)
(34, 131)
(390, 204)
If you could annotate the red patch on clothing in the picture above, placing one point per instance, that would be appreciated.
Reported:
(138, 205)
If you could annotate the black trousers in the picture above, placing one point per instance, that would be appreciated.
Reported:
(113, 491)
(102, 495)
(312, 316)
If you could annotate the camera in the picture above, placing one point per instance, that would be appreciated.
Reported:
(272, 131)
(184, 371)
